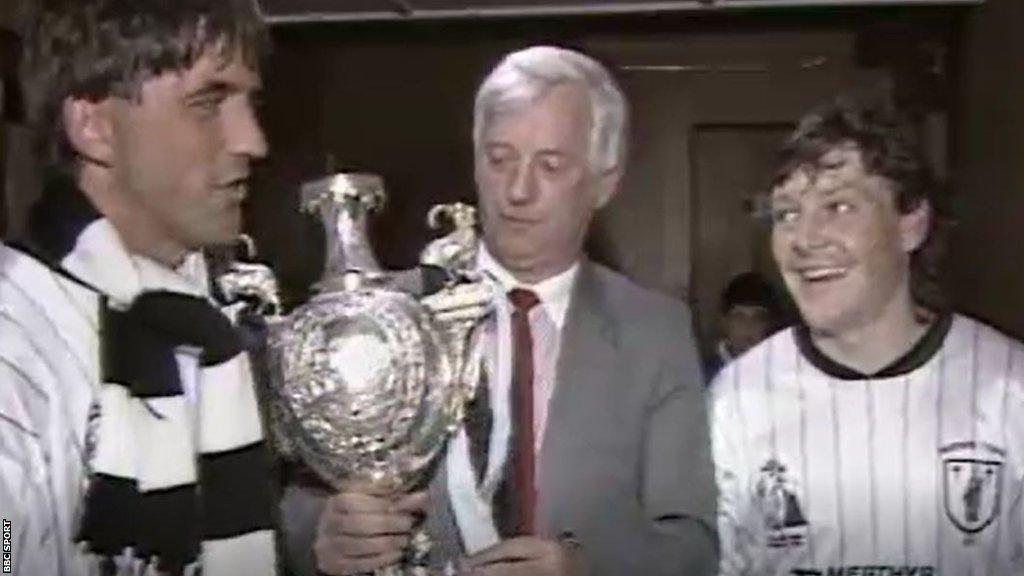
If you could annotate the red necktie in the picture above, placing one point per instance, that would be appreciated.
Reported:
(522, 457)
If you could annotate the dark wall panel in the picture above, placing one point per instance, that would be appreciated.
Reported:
(989, 166)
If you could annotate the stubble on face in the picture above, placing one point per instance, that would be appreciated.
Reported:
(182, 151)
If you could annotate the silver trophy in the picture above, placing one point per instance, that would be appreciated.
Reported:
(369, 378)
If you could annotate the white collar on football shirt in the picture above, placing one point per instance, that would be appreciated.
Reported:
(555, 292)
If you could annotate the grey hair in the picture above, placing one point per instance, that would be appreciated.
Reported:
(525, 76)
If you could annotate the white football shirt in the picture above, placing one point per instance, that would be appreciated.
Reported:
(915, 471)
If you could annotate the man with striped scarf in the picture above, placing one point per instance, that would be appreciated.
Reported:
(130, 440)
(884, 434)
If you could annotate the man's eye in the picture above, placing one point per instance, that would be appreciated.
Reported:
(206, 105)
(497, 160)
(840, 207)
(784, 215)
(552, 164)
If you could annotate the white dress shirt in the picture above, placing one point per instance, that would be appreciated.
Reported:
(471, 503)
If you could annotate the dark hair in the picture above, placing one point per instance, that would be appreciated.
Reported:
(93, 49)
(888, 140)
(749, 289)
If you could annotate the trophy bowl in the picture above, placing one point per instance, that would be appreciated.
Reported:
(369, 378)
(369, 385)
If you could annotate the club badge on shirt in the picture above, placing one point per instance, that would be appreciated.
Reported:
(776, 495)
(972, 481)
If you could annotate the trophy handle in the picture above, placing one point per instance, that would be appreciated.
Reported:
(250, 281)
(455, 252)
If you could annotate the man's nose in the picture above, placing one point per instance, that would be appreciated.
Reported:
(523, 185)
(810, 230)
(245, 136)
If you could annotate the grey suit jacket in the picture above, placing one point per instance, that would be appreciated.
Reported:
(626, 465)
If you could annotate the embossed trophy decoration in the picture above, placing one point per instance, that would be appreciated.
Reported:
(368, 380)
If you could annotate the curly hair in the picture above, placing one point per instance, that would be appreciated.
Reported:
(93, 49)
(889, 143)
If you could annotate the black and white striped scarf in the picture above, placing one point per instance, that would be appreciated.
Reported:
(180, 478)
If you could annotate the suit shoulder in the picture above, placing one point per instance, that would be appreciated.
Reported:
(638, 303)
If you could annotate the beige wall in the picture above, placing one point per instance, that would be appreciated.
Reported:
(988, 271)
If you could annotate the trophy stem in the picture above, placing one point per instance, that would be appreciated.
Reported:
(348, 246)
(343, 203)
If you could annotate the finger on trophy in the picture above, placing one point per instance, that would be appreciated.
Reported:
(414, 503)
(357, 542)
(364, 487)
(358, 503)
(360, 515)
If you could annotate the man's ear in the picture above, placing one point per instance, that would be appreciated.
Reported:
(915, 226)
(607, 186)
(89, 128)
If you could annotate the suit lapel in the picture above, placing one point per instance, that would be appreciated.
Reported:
(440, 523)
(587, 360)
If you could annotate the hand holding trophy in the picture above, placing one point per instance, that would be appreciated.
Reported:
(367, 380)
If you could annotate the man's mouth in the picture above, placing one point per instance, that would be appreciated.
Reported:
(518, 220)
(237, 189)
(819, 274)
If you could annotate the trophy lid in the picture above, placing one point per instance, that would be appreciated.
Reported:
(342, 188)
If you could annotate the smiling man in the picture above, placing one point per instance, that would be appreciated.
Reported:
(131, 440)
(884, 434)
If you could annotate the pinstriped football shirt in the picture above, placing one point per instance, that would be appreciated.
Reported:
(917, 470)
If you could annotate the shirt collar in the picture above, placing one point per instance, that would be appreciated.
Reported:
(189, 277)
(926, 347)
(555, 292)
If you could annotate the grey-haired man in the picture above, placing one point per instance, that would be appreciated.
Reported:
(591, 455)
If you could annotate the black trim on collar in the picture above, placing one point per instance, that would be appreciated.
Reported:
(57, 219)
(922, 351)
(31, 252)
